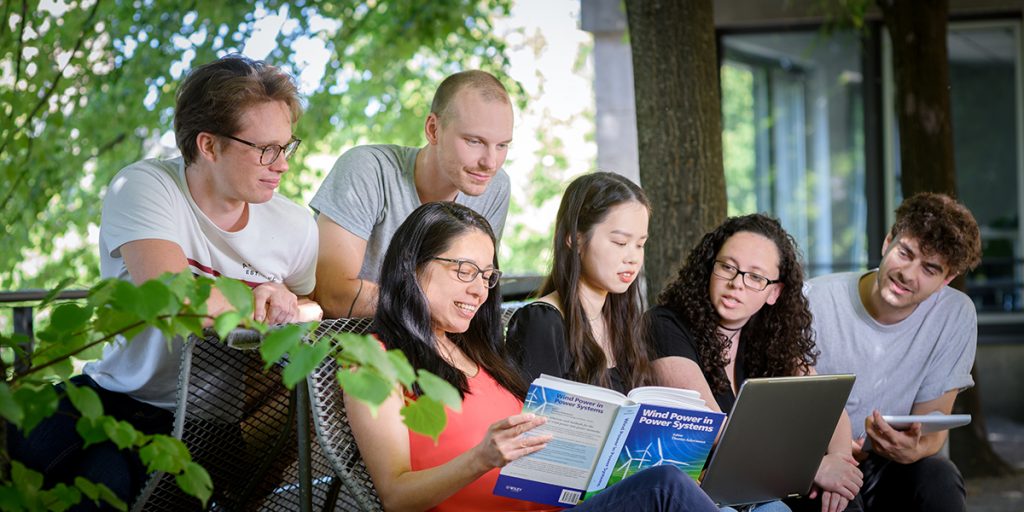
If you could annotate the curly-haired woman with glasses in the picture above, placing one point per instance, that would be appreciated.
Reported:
(736, 310)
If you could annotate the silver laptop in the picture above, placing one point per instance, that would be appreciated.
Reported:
(775, 438)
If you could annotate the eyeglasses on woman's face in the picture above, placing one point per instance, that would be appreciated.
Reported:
(755, 282)
(467, 271)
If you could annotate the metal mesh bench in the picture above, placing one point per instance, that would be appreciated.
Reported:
(331, 423)
(238, 421)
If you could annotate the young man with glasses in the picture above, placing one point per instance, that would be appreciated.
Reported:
(212, 211)
(372, 189)
(910, 339)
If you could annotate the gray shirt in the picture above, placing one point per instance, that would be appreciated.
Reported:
(371, 190)
(915, 360)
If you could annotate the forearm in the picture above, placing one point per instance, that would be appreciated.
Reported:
(345, 298)
(842, 437)
(425, 489)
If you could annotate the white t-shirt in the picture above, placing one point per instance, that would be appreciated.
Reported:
(150, 200)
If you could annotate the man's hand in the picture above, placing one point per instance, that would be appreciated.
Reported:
(274, 304)
(898, 446)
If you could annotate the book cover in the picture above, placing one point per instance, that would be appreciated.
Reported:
(602, 437)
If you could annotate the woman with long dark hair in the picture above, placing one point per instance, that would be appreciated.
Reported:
(736, 310)
(585, 326)
(439, 303)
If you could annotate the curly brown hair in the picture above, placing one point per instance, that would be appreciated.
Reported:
(778, 339)
(942, 227)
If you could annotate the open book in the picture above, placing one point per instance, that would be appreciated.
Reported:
(602, 436)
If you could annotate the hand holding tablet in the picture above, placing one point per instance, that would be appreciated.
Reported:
(929, 422)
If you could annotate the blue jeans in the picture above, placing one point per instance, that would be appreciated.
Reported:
(771, 506)
(54, 447)
(661, 488)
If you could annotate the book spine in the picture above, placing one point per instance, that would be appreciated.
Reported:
(612, 446)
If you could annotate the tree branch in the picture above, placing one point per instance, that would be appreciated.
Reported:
(56, 81)
(21, 43)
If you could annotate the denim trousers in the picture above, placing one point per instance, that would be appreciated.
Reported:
(661, 488)
(55, 449)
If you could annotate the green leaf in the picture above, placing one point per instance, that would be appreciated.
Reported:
(439, 389)
(62, 367)
(237, 293)
(303, 359)
(37, 403)
(365, 385)
(55, 291)
(278, 342)
(199, 293)
(425, 416)
(403, 370)
(91, 353)
(85, 400)
(164, 453)
(226, 322)
(61, 497)
(185, 325)
(195, 481)
(13, 340)
(362, 350)
(103, 292)
(110, 321)
(70, 317)
(9, 408)
(122, 433)
(99, 492)
(154, 299)
(24, 477)
(125, 296)
(91, 430)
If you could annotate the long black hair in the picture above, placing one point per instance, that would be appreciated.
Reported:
(778, 339)
(585, 204)
(403, 318)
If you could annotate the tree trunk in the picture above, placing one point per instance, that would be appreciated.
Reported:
(679, 127)
(921, 68)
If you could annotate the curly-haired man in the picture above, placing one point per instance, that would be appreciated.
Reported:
(911, 340)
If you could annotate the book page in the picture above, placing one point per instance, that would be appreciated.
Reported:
(579, 426)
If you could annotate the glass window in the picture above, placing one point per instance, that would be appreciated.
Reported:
(985, 91)
(793, 139)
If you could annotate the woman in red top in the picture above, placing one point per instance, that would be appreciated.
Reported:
(440, 304)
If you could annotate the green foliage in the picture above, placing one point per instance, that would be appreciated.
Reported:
(174, 304)
(70, 68)
(738, 133)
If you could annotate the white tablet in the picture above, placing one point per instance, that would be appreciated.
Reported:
(929, 422)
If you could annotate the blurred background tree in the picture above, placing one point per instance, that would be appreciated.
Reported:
(88, 87)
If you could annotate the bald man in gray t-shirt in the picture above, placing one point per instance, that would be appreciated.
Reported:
(372, 189)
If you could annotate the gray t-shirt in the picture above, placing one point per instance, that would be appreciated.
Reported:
(371, 190)
(916, 360)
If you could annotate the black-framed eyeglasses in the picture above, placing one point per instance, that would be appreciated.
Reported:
(270, 153)
(755, 282)
(467, 272)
